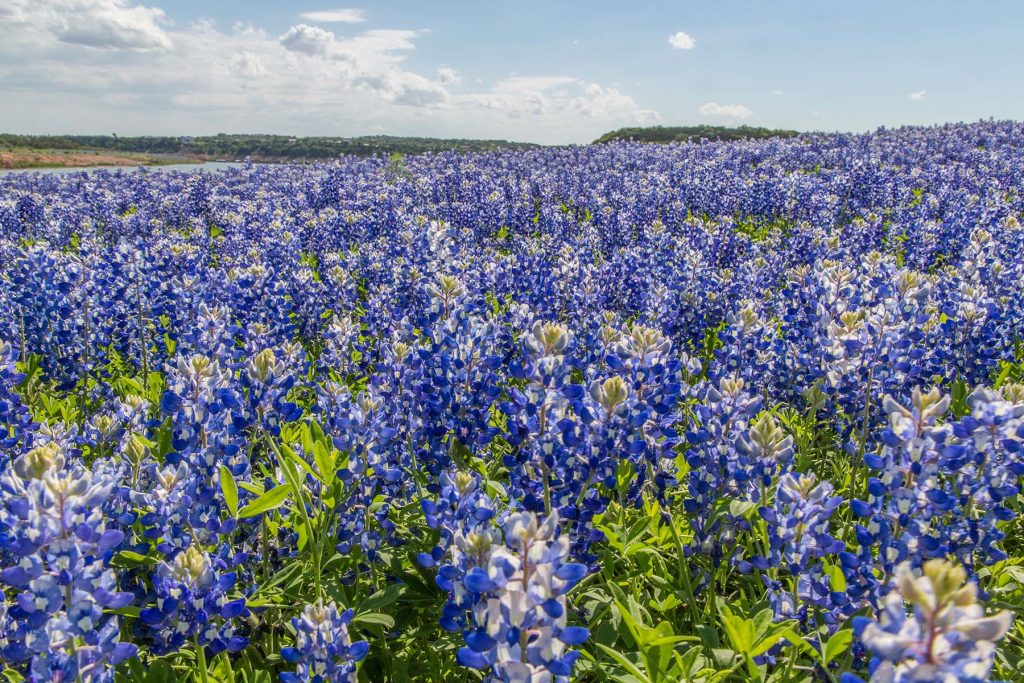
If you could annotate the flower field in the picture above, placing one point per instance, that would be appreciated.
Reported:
(638, 413)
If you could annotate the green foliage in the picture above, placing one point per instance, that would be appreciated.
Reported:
(663, 134)
(760, 229)
(257, 147)
(396, 167)
(656, 613)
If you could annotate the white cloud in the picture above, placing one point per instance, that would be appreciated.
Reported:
(776, 92)
(98, 24)
(727, 111)
(448, 76)
(919, 95)
(563, 97)
(336, 16)
(381, 44)
(198, 78)
(527, 84)
(309, 40)
(248, 65)
(404, 88)
(682, 41)
(599, 102)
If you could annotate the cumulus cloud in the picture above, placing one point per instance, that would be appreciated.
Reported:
(919, 95)
(682, 41)
(98, 24)
(547, 96)
(248, 65)
(725, 111)
(404, 88)
(383, 44)
(201, 78)
(309, 40)
(448, 76)
(335, 16)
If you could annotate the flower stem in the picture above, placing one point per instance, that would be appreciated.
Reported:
(201, 659)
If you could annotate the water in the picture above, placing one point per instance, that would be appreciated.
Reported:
(188, 168)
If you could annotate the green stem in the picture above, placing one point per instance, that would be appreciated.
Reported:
(292, 476)
(143, 341)
(862, 447)
(201, 660)
(684, 575)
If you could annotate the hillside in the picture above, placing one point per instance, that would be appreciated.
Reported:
(686, 133)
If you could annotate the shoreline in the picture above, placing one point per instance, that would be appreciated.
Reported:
(22, 159)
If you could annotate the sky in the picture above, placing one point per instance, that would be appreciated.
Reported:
(549, 71)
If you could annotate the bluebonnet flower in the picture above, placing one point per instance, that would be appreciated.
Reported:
(56, 546)
(946, 637)
(941, 488)
(981, 466)
(462, 507)
(899, 508)
(323, 649)
(798, 523)
(15, 419)
(191, 605)
(800, 539)
(718, 471)
(517, 623)
(267, 377)
(205, 406)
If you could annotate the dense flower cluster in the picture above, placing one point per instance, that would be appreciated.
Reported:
(235, 405)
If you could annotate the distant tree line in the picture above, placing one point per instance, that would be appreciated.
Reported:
(694, 133)
(258, 147)
(289, 148)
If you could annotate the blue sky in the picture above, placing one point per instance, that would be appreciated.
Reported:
(549, 72)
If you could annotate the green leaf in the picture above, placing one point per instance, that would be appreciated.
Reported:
(317, 433)
(229, 489)
(271, 500)
(220, 669)
(251, 488)
(375, 619)
(126, 559)
(740, 631)
(381, 598)
(739, 508)
(672, 640)
(837, 581)
(324, 460)
(160, 671)
(306, 438)
(799, 642)
(283, 576)
(624, 662)
(837, 645)
(294, 457)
